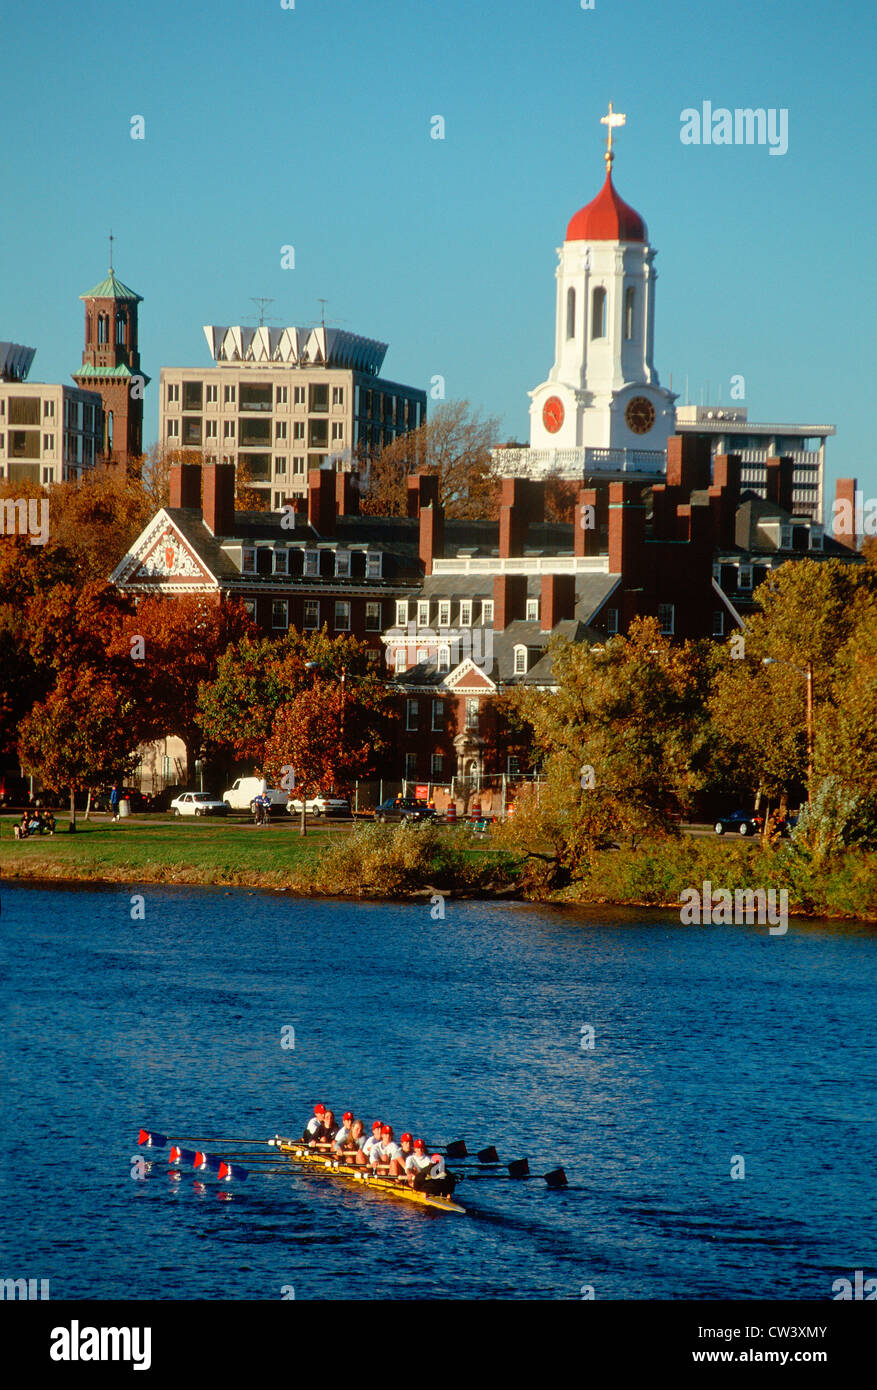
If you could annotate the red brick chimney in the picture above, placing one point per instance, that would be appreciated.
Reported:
(780, 473)
(509, 599)
(185, 485)
(843, 513)
(688, 462)
(217, 506)
(627, 530)
(586, 538)
(432, 535)
(725, 497)
(521, 501)
(558, 599)
(423, 491)
(347, 494)
(321, 500)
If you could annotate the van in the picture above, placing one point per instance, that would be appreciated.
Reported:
(241, 795)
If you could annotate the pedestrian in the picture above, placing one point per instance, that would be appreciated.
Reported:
(114, 801)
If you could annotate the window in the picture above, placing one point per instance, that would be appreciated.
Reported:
(192, 395)
(471, 713)
(49, 410)
(374, 565)
(298, 463)
(412, 713)
(513, 767)
(248, 560)
(570, 313)
(318, 434)
(817, 538)
(298, 395)
(410, 766)
(520, 661)
(281, 395)
(342, 564)
(436, 766)
(279, 429)
(629, 297)
(423, 614)
(612, 621)
(438, 716)
(667, 618)
(718, 623)
(211, 394)
(444, 657)
(422, 655)
(173, 392)
(311, 566)
(444, 613)
(399, 658)
(342, 615)
(47, 472)
(278, 501)
(192, 430)
(598, 313)
(228, 429)
(532, 610)
(280, 613)
(173, 429)
(337, 395)
(486, 610)
(372, 617)
(318, 402)
(372, 656)
(281, 561)
(210, 429)
(120, 330)
(48, 443)
(229, 395)
(744, 577)
(280, 465)
(466, 612)
(311, 613)
(298, 429)
(401, 612)
(337, 431)
(785, 537)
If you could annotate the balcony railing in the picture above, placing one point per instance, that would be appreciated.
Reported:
(573, 463)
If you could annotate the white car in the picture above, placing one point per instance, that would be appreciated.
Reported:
(320, 806)
(198, 804)
(241, 796)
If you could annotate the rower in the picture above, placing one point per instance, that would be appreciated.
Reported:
(346, 1122)
(418, 1164)
(364, 1155)
(328, 1130)
(314, 1125)
(349, 1147)
(399, 1164)
(383, 1153)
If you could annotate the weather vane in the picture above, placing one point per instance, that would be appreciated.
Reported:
(112, 239)
(614, 118)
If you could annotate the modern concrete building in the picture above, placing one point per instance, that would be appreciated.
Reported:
(49, 433)
(282, 402)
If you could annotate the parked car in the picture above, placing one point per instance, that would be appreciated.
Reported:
(198, 804)
(241, 795)
(740, 823)
(401, 808)
(14, 790)
(320, 806)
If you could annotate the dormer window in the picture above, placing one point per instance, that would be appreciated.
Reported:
(444, 613)
(532, 610)
(520, 661)
(486, 610)
(817, 538)
(785, 538)
(466, 612)
(374, 564)
(281, 561)
(744, 577)
(401, 612)
(311, 568)
(423, 613)
(342, 564)
(248, 560)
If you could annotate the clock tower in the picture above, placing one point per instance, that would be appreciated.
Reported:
(603, 391)
(111, 366)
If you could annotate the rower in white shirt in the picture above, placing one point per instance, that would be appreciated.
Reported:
(399, 1163)
(364, 1155)
(418, 1161)
(346, 1122)
(314, 1125)
(383, 1153)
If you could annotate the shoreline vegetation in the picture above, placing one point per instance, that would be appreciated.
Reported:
(417, 863)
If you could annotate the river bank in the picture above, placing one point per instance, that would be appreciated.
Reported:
(392, 863)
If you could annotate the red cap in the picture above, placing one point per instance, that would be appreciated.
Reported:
(419, 1144)
(319, 1109)
(348, 1115)
(386, 1129)
(406, 1139)
(435, 1158)
(377, 1126)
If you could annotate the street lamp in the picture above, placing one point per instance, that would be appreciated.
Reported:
(807, 673)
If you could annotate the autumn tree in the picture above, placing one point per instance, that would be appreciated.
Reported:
(455, 443)
(332, 732)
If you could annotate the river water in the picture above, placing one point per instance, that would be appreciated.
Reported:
(715, 1049)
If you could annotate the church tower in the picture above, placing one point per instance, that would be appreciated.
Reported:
(111, 366)
(603, 391)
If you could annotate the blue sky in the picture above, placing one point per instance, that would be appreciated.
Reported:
(311, 127)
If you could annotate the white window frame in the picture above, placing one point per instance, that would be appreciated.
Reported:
(342, 564)
(173, 393)
(211, 393)
(466, 612)
(532, 610)
(423, 612)
(173, 429)
(312, 604)
(401, 612)
(473, 712)
(281, 395)
(311, 564)
(444, 612)
(443, 662)
(210, 429)
(279, 429)
(275, 626)
(374, 564)
(487, 610)
(345, 605)
(369, 625)
(520, 668)
(281, 560)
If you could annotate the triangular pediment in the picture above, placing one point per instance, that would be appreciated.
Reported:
(163, 558)
(467, 677)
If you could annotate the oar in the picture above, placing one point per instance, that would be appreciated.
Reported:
(519, 1171)
(152, 1139)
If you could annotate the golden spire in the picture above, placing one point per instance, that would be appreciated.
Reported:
(614, 118)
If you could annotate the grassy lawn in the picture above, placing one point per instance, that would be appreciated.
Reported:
(152, 850)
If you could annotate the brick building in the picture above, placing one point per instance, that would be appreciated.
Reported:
(111, 367)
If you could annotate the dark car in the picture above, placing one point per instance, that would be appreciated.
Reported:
(401, 808)
(14, 790)
(740, 823)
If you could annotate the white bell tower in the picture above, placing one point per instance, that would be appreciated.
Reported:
(603, 391)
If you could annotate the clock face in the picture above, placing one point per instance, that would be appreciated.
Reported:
(552, 414)
(640, 415)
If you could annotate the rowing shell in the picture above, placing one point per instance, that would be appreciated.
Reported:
(374, 1184)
